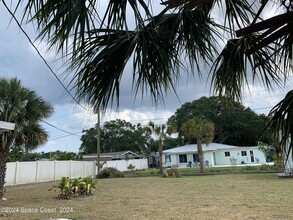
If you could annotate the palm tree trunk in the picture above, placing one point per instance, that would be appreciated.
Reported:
(200, 155)
(5, 141)
(3, 160)
(161, 157)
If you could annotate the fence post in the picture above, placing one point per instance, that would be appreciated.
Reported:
(37, 171)
(95, 169)
(15, 173)
(82, 168)
(70, 176)
(54, 170)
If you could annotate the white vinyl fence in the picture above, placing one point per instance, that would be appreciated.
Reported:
(42, 171)
(122, 165)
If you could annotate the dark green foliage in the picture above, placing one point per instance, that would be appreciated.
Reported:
(76, 187)
(24, 108)
(89, 141)
(281, 121)
(110, 172)
(116, 135)
(17, 154)
(59, 155)
(234, 124)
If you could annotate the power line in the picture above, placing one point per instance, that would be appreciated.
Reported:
(57, 127)
(38, 52)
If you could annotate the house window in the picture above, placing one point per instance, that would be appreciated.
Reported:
(243, 153)
(227, 154)
(167, 158)
(182, 158)
(195, 158)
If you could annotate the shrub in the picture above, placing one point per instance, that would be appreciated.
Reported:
(110, 172)
(131, 167)
(172, 172)
(76, 187)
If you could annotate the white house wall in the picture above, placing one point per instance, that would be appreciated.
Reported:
(218, 158)
(258, 156)
(175, 159)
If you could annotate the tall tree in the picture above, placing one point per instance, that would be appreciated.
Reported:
(234, 123)
(203, 131)
(89, 141)
(26, 109)
(100, 43)
(116, 135)
(161, 132)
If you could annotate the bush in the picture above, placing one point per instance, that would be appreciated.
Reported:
(172, 172)
(76, 187)
(110, 172)
(131, 167)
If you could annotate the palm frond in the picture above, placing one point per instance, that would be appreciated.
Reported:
(229, 71)
(285, 51)
(61, 21)
(99, 68)
(281, 120)
(154, 64)
(187, 4)
(275, 32)
(237, 12)
(192, 33)
(115, 16)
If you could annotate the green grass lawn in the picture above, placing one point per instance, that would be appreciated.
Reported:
(231, 196)
(211, 171)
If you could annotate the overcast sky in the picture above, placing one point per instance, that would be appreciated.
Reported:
(19, 59)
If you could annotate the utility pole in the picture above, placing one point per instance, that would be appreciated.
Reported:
(98, 140)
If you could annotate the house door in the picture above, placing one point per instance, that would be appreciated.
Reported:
(251, 156)
(214, 156)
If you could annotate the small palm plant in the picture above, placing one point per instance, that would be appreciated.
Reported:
(87, 185)
(65, 187)
(75, 187)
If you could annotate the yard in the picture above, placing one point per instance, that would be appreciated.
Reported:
(231, 196)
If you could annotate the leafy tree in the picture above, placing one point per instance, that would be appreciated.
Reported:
(99, 44)
(59, 155)
(203, 131)
(15, 154)
(116, 135)
(161, 132)
(234, 124)
(26, 109)
(169, 143)
(89, 141)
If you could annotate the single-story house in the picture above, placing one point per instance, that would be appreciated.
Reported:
(119, 155)
(214, 155)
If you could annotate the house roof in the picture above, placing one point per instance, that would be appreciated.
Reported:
(118, 154)
(205, 147)
(6, 126)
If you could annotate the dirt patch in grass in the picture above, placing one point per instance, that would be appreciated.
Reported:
(239, 196)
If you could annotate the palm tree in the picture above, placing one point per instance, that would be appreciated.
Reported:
(26, 109)
(203, 131)
(161, 132)
(100, 43)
